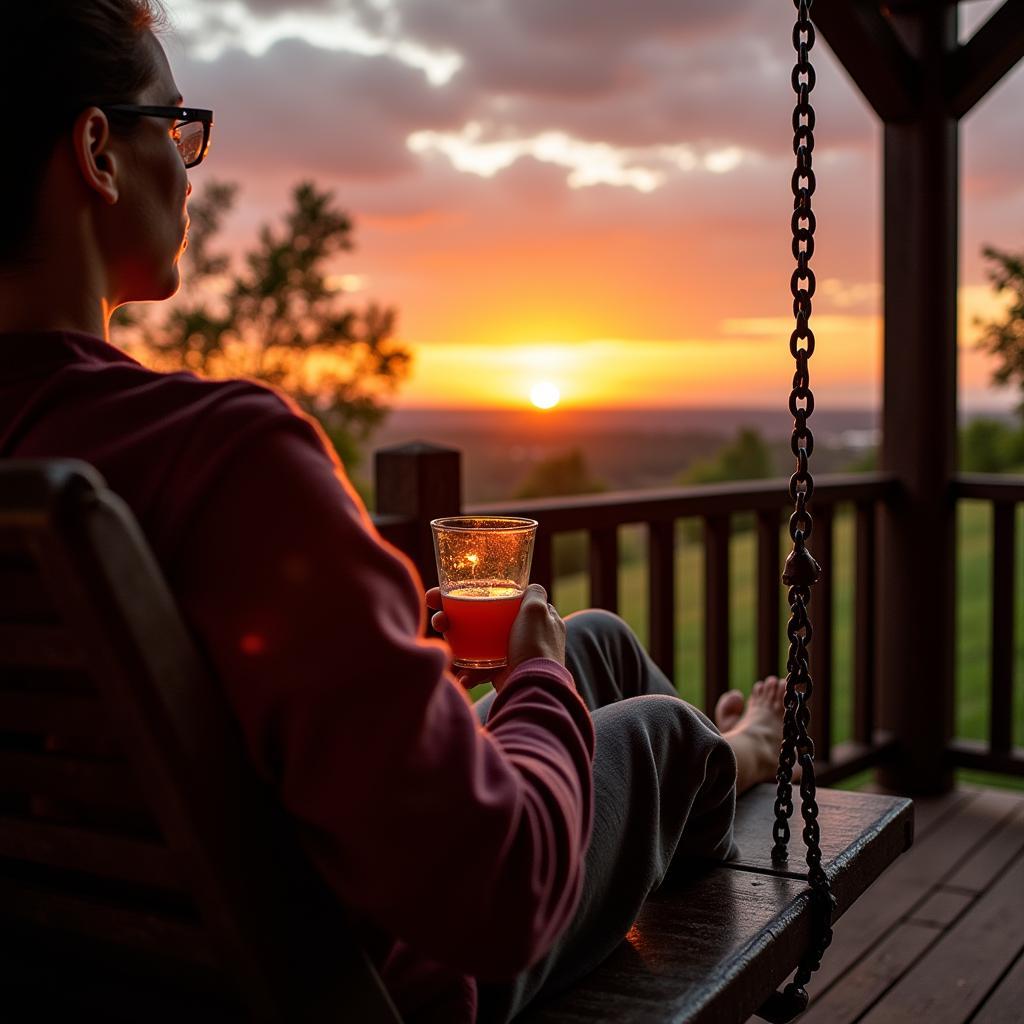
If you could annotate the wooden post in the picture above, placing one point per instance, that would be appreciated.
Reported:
(423, 482)
(917, 537)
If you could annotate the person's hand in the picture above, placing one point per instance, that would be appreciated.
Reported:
(537, 632)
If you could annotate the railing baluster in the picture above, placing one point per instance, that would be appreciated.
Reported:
(864, 626)
(821, 643)
(661, 594)
(542, 568)
(1003, 573)
(604, 568)
(716, 609)
(769, 589)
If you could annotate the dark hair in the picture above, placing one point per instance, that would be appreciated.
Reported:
(58, 57)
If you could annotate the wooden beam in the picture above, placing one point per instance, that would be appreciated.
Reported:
(871, 52)
(986, 57)
(916, 591)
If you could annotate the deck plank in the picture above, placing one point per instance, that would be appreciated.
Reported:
(949, 983)
(1003, 1006)
(991, 858)
(868, 981)
(952, 837)
(942, 907)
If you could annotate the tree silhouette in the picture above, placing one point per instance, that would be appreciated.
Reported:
(560, 474)
(279, 319)
(1004, 338)
(746, 457)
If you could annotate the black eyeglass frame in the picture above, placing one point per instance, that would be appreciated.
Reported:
(186, 115)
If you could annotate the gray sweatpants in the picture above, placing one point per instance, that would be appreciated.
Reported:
(664, 787)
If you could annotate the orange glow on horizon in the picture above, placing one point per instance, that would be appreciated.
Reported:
(745, 362)
(751, 368)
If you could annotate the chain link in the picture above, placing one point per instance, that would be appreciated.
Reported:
(801, 569)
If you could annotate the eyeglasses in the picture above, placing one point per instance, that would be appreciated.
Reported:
(191, 129)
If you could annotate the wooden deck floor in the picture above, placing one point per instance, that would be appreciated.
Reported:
(939, 938)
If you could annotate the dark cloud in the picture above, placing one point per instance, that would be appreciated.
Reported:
(610, 20)
(300, 106)
(566, 22)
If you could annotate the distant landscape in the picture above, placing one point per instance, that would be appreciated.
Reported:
(624, 448)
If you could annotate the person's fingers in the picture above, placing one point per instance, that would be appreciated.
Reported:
(440, 622)
(468, 677)
(433, 597)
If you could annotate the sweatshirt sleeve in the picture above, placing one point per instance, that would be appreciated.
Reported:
(465, 842)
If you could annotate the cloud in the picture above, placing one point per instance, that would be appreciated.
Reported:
(326, 112)
(270, 8)
(579, 170)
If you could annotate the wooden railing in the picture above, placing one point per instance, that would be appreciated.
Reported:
(420, 482)
(999, 754)
(416, 483)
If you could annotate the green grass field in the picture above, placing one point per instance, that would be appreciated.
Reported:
(973, 616)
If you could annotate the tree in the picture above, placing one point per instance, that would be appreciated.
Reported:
(563, 475)
(279, 319)
(745, 458)
(1004, 338)
(560, 474)
(988, 446)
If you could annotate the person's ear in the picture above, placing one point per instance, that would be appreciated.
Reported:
(96, 160)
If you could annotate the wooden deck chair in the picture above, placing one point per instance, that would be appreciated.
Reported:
(145, 874)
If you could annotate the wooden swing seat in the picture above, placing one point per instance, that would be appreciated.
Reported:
(146, 875)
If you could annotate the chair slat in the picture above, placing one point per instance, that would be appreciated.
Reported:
(22, 595)
(90, 851)
(38, 646)
(40, 908)
(64, 777)
(661, 593)
(716, 608)
(57, 714)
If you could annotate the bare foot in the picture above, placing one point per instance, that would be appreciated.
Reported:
(753, 729)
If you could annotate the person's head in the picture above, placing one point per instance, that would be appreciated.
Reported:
(78, 168)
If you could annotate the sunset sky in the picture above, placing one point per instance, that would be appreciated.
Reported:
(590, 193)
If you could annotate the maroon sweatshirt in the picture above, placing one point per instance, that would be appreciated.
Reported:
(459, 847)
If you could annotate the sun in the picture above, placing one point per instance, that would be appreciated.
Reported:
(545, 395)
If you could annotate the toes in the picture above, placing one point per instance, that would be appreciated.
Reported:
(758, 688)
(779, 693)
(729, 708)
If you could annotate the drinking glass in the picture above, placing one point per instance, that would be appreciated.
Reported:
(483, 567)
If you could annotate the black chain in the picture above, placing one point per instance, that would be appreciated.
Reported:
(801, 571)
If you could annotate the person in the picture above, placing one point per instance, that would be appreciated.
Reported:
(491, 854)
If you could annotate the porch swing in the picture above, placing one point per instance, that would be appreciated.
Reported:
(158, 922)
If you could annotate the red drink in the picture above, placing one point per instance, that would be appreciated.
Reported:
(480, 615)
